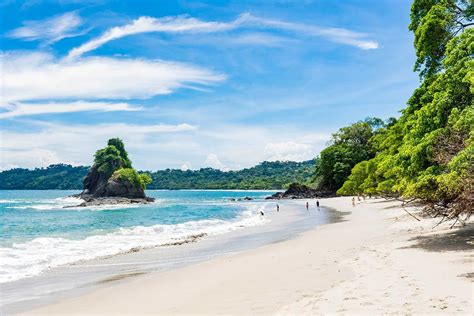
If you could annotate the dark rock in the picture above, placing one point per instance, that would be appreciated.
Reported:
(100, 190)
(117, 187)
(90, 200)
(247, 198)
(112, 180)
(94, 182)
(300, 191)
(98, 185)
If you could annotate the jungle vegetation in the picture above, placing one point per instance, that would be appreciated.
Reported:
(266, 175)
(428, 153)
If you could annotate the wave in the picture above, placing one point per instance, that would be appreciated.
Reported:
(36, 256)
(70, 202)
(10, 201)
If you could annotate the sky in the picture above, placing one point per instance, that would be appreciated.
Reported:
(192, 84)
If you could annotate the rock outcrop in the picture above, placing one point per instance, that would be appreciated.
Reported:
(301, 191)
(112, 180)
(96, 184)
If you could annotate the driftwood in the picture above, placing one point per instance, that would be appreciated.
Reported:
(410, 214)
(449, 211)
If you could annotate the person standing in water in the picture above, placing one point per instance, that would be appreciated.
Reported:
(278, 208)
(317, 204)
(307, 206)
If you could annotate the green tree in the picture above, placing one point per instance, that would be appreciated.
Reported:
(112, 157)
(435, 23)
(428, 152)
(350, 145)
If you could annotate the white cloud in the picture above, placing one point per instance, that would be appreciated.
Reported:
(185, 24)
(50, 30)
(147, 24)
(38, 76)
(186, 166)
(337, 35)
(213, 161)
(258, 38)
(153, 147)
(289, 151)
(28, 158)
(76, 144)
(28, 109)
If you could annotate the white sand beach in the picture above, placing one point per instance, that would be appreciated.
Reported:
(379, 260)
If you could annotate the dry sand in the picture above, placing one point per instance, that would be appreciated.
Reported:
(378, 261)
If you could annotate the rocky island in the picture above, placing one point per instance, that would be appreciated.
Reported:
(112, 180)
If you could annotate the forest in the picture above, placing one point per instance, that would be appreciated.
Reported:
(428, 153)
(267, 175)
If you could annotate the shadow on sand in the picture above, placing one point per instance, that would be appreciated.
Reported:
(459, 239)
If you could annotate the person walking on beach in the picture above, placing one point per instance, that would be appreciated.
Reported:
(307, 206)
(317, 204)
(353, 201)
(278, 208)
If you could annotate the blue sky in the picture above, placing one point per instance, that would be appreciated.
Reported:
(191, 84)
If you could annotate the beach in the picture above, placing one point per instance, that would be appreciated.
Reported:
(377, 260)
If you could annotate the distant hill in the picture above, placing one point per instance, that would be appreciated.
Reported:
(266, 175)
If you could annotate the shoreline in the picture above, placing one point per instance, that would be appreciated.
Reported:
(377, 260)
(89, 275)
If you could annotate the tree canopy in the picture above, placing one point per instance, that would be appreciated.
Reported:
(267, 175)
(429, 152)
(350, 145)
(434, 23)
(112, 157)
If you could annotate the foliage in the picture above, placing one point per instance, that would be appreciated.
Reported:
(429, 152)
(60, 177)
(349, 146)
(267, 175)
(435, 23)
(112, 157)
(132, 176)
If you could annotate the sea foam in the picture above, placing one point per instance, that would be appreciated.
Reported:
(31, 258)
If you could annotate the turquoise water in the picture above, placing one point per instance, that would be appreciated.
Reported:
(37, 232)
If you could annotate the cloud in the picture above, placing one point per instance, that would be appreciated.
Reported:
(161, 146)
(186, 166)
(289, 151)
(28, 109)
(337, 35)
(257, 38)
(185, 24)
(75, 144)
(38, 76)
(147, 24)
(213, 161)
(28, 157)
(49, 30)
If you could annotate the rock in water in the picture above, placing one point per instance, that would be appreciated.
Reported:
(300, 191)
(94, 182)
(124, 188)
(112, 180)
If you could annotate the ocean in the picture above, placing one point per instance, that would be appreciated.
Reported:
(38, 233)
(48, 252)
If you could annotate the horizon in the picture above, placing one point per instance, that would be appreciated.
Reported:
(196, 85)
(173, 169)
